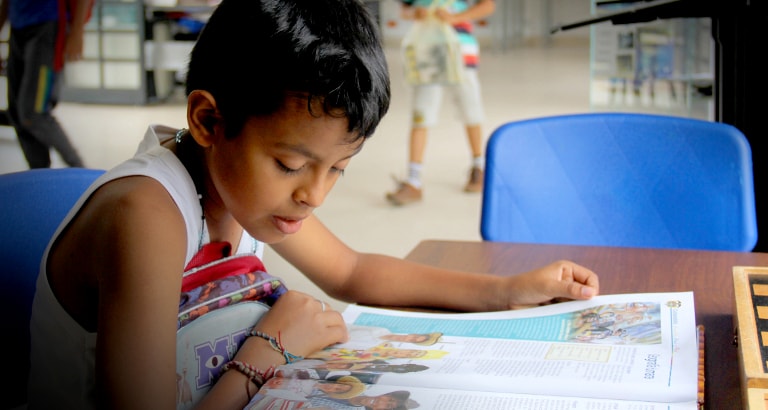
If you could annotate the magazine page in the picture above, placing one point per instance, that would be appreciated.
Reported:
(632, 346)
(349, 393)
(639, 349)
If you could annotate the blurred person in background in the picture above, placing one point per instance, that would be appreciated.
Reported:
(427, 98)
(44, 34)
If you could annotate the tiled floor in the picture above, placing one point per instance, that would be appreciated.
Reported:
(517, 83)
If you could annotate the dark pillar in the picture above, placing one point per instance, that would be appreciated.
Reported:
(741, 90)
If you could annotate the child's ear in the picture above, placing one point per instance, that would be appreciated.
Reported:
(203, 117)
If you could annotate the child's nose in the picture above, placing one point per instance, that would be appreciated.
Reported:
(312, 193)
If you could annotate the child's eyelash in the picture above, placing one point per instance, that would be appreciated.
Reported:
(290, 171)
(286, 169)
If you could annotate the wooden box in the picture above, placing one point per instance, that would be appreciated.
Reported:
(750, 286)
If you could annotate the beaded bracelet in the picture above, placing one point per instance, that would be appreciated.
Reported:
(254, 375)
(277, 346)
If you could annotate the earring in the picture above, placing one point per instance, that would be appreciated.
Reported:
(180, 134)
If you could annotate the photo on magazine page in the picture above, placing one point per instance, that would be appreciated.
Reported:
(347, 393)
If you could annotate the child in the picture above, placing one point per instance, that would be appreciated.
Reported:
(281, 95)
(427, 97)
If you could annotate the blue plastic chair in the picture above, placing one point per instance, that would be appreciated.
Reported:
(33, 204)
(618, 179)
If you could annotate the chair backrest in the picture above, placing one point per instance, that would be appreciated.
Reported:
(33, 204)
(619, 179)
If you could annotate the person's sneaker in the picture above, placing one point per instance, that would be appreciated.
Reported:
(405, 194)
(475, 183)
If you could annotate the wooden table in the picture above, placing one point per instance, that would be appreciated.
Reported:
(623, 270)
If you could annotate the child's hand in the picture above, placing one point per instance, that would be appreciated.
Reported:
(420, 13)
(558, 280)
(445, 16)
(303, 323)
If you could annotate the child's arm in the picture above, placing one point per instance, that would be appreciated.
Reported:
(410, 12)
(129, 243)
(382, 280)
(299, 321)
(479, 10)
(73, 49)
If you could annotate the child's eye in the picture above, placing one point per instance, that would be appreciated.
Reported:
(339, 171)
(286, 169)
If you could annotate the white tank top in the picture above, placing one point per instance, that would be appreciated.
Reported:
(62, 352)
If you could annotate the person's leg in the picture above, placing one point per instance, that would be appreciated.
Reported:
(476, 140)
(477, 170)
(36, 153)
(426, 106)
(470, 102)
(417, 146)
(36, 97)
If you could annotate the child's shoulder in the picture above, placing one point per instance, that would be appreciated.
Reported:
(133, 199)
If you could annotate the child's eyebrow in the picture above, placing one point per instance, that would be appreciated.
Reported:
(302, 150)
(299, 149)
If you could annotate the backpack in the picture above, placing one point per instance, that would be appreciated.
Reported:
(431, 52)
(222, 297)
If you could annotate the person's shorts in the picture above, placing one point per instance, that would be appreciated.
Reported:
(427, 100)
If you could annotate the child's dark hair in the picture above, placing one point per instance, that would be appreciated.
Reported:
(252, 54)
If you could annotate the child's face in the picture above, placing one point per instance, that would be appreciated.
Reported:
(410, 338)
(334, 387)
(406, 353)
(336, 365)
(275, 382)
(376, 402)
(280, 168)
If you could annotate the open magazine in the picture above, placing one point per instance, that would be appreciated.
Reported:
(632, 351)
